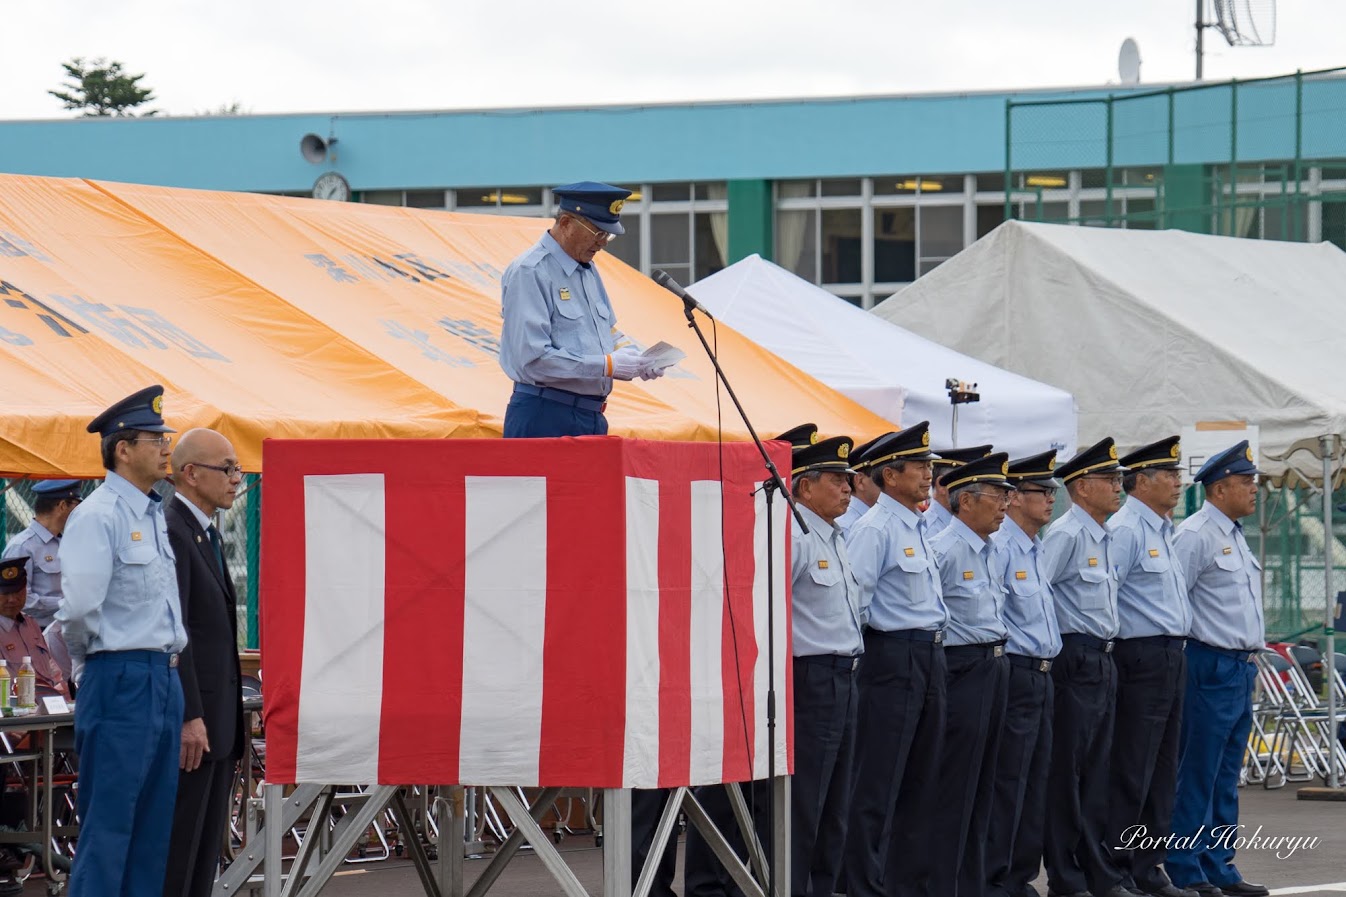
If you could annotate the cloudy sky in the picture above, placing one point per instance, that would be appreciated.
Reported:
(344, 55)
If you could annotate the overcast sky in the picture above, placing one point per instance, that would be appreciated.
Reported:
(344, 55)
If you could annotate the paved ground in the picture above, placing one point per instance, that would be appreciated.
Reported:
(1311, 870)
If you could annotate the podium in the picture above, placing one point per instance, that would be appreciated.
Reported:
(584, 612)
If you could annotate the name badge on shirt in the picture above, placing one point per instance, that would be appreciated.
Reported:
(909, 552)
(1093, 562)
(822, 565)
(1228, 550)
(968, 574)
(135, 536)
(1154, 552)
(1020, 574)
(565, 294)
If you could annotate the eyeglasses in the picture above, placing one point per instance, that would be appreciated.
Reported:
(1023, 491)
(233, 470)
(164, 441)
(1113, 478)
(601, 236)
(998, 495)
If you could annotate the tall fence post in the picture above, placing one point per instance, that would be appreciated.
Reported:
(254, 522)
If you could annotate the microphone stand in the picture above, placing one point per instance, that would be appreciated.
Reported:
(773, 484)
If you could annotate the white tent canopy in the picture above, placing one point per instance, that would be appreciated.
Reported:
(891, 371)
(1152, 330)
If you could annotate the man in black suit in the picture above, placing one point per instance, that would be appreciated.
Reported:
(206, 475)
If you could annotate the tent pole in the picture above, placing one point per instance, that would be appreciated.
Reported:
(1328, 443)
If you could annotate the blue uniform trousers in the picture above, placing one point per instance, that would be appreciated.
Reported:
(128, 728)
(978, 680)
(899, 739)
(1019, 805)
(647, 805)
(534, 417)
(1215, 725)
(1151, 680)
(1085, 682)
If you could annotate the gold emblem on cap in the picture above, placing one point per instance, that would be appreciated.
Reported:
(925, 438)
(10, 573)
(1112, 452)
(1173, 452)
(1004, 469)
(1051, 465)
(813, 438)
(157, 406)
(843, 451)
(616, 207)
(1248, 453)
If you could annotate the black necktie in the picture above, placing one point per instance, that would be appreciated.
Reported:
(214, 536)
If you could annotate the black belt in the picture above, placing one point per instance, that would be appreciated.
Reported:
(836, 661)
(1088, 641)
(911, 635)
(1166, 641)
(564, 397)
(1041, 664)
(1244, 655)
(984, 649)
(154, 658)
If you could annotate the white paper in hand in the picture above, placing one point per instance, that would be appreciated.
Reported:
(661, 355)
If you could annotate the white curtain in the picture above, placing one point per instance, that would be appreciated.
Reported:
(719, 222)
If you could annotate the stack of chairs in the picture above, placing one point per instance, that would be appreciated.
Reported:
(1290, 740)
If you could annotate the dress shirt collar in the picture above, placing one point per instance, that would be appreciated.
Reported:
(1015, 533)
(816, 523)
(140, 502)
(1221, 518)
(855, 501)
(568, 264)
(9, 624)
(199, 514)
(964, 532)
(45, 534)
(1091, 526)
(899, 510)
(1147, 514)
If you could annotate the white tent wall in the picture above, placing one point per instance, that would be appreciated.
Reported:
(891, 371)
(1151, 330)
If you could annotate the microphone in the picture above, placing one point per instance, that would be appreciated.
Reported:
(662, 278)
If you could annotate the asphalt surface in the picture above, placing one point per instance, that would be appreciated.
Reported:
(1297, 865)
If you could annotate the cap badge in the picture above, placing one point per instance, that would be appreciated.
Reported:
(1020, 574)
(616, 207)
(843, 451)
(925, 438)
(1173, 451)
(157, 406)
(565, 294)
(9, 573)
(1004, 469)
(1112, 452)
(813, 438)
(1248, 453)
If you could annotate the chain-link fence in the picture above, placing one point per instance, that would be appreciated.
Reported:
(1264, 158)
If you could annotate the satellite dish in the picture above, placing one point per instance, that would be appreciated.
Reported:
(1128, 62)
(313, 148)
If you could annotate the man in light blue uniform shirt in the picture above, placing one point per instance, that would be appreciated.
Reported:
(560, 343)
(1154, 617)
(1019, 806)
(1224, 583)
(902, 680)
(53, 500)
(978, 673)
(123, 629)
(1084, 585)
(937, 515)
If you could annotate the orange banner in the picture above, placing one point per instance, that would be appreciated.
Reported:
(269, 316)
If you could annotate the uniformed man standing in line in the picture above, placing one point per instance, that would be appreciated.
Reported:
(827, 644)
(123, 628)
(903, 678)
(560, 343)
(1154, 615)
(863, 491)
(53, 500)
(1224, 583)
(1019, 805)
(938, 515)
(974, 649)
(1080, 570)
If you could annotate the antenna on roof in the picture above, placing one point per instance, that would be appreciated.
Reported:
(1128, 62)
(1242, 23)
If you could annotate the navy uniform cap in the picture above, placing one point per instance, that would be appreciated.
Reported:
(1234, 461)
(859, 454)
(1166, 454)
(802, 435)
(59, 490)
(600, 203)
(829, 454)
(142, 410)
(992, 470)
(1101, 457)
(911, 444)
(13, 575)
(954, 457)
(1040, 469)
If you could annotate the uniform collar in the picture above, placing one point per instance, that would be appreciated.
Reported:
(1015, 533)
(1147, 514)
(1220, 517)
(1090, 524)
(568, 264)
(139, 501)
(899, 510)
(816, 523)
(45, 534)
(9, 624)
(964, 532)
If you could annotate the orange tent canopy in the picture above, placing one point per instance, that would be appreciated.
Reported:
(267, 316)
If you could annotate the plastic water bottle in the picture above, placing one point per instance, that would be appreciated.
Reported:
(4, 689)
(25, 687)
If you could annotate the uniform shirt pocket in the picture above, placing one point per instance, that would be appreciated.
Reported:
(47, 564)
(1231, 562)
(914, 564)
(137, 554)
(825, 577)
(1159, 564)
(1095, 592)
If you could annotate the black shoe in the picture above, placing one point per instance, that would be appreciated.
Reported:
(1206, 889)
(1169, 890)
(1245, 889)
